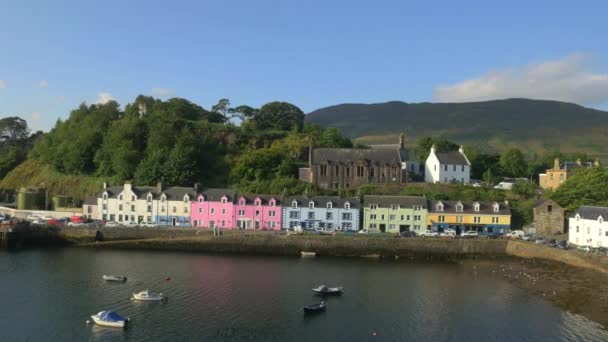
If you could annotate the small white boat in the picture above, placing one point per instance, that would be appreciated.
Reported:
(324, 290)
(149, 295)
(110, 319)
(308, 254)
(121, 279)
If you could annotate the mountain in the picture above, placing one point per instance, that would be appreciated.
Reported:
(533, 125)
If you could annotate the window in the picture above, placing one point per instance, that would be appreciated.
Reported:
(112, 217)
(459, 207)
(391, 227)
(149, 198)
(416, 227)
(337, 170)
(294, 204)
(241, 202)
(372, 226)
(258, 203)
(241, 212)
(372, 217)
(373, 206)
(162, 209)
(454, 168)
(323, 170)
(213, 210)
(132, 198)
(347, 226)
(293, 224)
(496, 207)
(441, 218)
(459, 219)
(132, 207)
(149, 208)
(119, 218)
(163, 198)
(445, 167)
(348, 172)
(89, 209)
(417, 207)
(416, 217)
(329, 216)
(382, 217)
(104, 206)
(476, 219)
(495, 220)
(223, 211)
(257, 213)
(272, 213)
(223, 223)
(346, 205)
(311, 215)
(347, 216)
(185, 210)
(329, 205)
(371, 171)
(120, 207)
(402, 217)
(105, 196)
(294, 215)
(392, 217)
(394, 207)
(271, 224)
(200, 210)
(330, 225)
(462, 168)
(174, 209)
(439, 207)
(476, 206)
(360, 171)
(120, 197)
(311, 204)
(549, 208)
(407, 217)
(224, 200)
(200, 199)
(186, 199)
(149, 218)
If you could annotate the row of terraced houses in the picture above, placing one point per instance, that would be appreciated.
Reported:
(225, 208)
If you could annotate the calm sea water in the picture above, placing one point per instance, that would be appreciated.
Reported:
(47, 295)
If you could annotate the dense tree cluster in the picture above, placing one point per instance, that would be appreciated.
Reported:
(15, 142)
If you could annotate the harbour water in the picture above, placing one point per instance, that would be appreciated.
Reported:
(48, 294)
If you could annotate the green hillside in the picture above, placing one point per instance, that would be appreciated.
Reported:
(532, 125)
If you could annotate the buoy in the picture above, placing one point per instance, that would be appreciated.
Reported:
(374, 333)
(168, 278)
(88, 322)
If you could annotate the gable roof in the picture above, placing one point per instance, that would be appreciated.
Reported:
(250, 198)
(321, 201)
(467, 208)
(402, 201)
(373, 155)
(575, 165)
(451, 158)
(216, 194)
(177, 193)
(90, 201)
(543, 201)
(591, 212)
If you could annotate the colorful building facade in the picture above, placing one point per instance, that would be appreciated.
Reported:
(258, 212)
(321, 213)
(483, 217)
(588, 226)
(395, 214)
(213, 208)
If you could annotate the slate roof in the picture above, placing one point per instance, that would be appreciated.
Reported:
(373, 155)
(321, 201)
(543, 201)
(574, 165)
(485, 208)
(451, 158)
(172, 193)
(591, 212)
(215, 194)
(90, 201)
(250, 198)
(402, 201)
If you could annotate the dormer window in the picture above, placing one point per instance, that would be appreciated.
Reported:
(329, 205)
(373, 206)
(496, 207)
(440, 207)
(347, 205)
(311, 205)
(105, 196)
(201, 199)
(272, 203)
(224, 200)
(149, 198)
(294, 204)
(600, 220)
(242, 201)
(459, 207)
(186, 199)
(163, 198)
(258, 203)
(395, 207)
(578, 217)
(476, 206)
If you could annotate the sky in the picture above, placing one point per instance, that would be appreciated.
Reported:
(55, 55)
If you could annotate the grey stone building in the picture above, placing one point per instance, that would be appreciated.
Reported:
(334, 168)
(549, 218)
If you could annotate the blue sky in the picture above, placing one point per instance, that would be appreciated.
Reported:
(57, 54)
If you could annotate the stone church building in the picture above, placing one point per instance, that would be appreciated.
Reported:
(334, 168)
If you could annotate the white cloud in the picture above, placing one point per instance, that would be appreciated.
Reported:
(162, 92)
(566, 79)
(2, 84)
(43, 84)
(104, 97)
(36, 116)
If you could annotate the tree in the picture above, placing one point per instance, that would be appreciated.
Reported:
(584, 187)
(441, 145)
(222, 107)
(13, 130)
(244, 112)
(281, 116)
(513, 163)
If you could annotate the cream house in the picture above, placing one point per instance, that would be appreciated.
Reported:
(588, 226)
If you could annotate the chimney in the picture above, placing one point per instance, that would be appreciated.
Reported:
(506, 203)
(105, 185)
(433, 148)
(461, 149)
(159, 187)
(197, 187)
(556, 164)
(596, 162)
(578, 162)
(402, 141)
(127, 185)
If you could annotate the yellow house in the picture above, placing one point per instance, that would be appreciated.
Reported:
(483, 217)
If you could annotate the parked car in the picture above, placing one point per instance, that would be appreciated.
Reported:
(448, 233)
(585, 249)
(469, 234)
(528, 237)
(407, 233)
(603, 250)
(504, 186)
(111, 224)
(492, 235)
(32, 218)
(562, 244)
(539, 240)
(429, 233)
(39, 222)
(551, 243)
(130, 224)
(515, 234)
(75, 224)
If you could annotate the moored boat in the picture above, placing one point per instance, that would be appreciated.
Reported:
(308, 254)
(314, 308)
(149, 296)
(121, 279)
(110, 319)
(324, 290)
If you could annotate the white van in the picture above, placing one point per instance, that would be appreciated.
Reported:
(515, 234)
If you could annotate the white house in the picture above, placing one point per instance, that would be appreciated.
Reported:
(447, 167)
(588, 227)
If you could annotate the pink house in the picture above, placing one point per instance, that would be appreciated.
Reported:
(258, 212)
(213, 208)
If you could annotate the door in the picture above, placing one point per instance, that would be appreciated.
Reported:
(257, 224)
(211, 224)
(174, 221)
(383, 228)
(404, 228)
